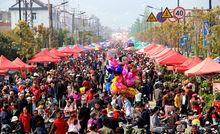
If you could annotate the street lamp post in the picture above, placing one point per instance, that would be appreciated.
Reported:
(51, 20)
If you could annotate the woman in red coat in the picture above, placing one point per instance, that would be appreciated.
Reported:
(25, 119)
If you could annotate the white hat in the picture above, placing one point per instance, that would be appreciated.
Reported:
(14, 118)
(110, 114)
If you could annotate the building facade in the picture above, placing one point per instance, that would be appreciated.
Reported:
(39, 11)
(5, 21)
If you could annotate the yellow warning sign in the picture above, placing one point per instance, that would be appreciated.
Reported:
(151, 18)
(167, 13)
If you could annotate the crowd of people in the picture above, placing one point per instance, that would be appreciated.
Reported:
(71, 97)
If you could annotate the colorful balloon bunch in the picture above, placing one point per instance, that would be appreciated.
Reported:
(126, 78)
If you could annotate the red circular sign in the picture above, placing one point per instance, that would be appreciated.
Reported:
(179, 12)
(173, 19)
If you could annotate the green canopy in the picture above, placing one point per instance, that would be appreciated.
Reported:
(140, 45)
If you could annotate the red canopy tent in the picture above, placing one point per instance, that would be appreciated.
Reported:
(3, 72)
(207, 66)
(130, 49)
(46, 52)
(165, 52)
(7, 64)
(162, 56)
(76, 49)
(23, 65)
(155, 50)
(188, 64)
(173, 59)
(113, 50)
(159, 51)
(67, 49)
(149, 47)
(58, 53)
(44, 58)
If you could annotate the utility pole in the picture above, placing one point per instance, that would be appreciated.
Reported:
(25, 9)
(50, 24)
(73, 27)
(31, 13)
(178, 45)
(210, 43)
(19, 6)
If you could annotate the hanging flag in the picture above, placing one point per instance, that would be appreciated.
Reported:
(205, 32)
(206, 28)
(184, 40)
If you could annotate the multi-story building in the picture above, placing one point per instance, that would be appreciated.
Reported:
(5, 18)
(39, 11)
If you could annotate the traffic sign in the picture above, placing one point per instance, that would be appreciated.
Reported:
(151, 18)
(159, 17)
(167, 13)
(173, 19)
(179, 12)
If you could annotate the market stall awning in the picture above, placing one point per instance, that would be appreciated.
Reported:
(149, 47)
(46, 52)
(58, 53)
(113, 50)
(6, 64)
(155, 50)
(43, 59)
(23, 65)
(173, 59)
(76, 49)
(67, 49)
(130, 49)
(207, 66)
(217, 59)
(189, 63)
(166, 51)
(160, 51)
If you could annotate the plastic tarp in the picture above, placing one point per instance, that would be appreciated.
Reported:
(207, 66)
(173, 59)
(6, 64)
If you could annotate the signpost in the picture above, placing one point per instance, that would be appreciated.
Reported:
(173, 19)
(166, 13)
(159, 17)
(179, 12)
(151, 18)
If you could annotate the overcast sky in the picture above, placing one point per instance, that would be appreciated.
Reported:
(121, 13)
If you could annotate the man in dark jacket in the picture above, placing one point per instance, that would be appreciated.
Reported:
(143, 121)
(5, 115)
(17, 126)
(37, 123)
(21, 103)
